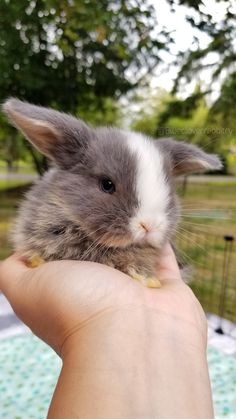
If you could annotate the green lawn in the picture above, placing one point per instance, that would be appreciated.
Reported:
(6, 185)
(23, 167)
(202, 244)
(9, 201)
(209, 213)
(217, 201)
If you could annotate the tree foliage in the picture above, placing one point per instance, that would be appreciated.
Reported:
(219, 54)
(225, 105)
(146, 106)
(70, 53)
(192, 119)
(182, 108)
(76, 55)
(80, 56)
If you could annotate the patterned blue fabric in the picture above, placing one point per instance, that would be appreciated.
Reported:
(222, 370)
(28, 374)
(29, 371)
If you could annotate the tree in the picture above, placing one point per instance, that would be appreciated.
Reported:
(191, 120)
(225, 105)
(223, 115)
(145, 107)
(210, 127)
(75, 55)
(163, 115)
(219, 54)
(9, 145)
(72, 53)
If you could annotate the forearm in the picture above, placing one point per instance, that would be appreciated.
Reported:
(135, 363)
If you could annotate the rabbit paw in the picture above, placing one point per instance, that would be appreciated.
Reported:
(147, 281)
(35, 261)
(152, 282)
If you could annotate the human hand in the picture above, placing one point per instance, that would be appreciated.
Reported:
(118, 340)
(58, 299)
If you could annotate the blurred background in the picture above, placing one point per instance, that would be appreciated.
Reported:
(166, 68)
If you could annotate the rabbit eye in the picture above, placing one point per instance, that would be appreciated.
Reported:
(106, 185)
(57, 231)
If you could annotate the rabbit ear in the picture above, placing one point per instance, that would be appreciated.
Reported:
(187, 158)
(59, 136)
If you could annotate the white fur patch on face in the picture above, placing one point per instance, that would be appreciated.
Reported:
(150, 221)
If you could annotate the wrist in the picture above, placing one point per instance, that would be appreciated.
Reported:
(137, 359)
(142, 322)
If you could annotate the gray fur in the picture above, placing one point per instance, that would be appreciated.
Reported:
(63, 145)
(187, 158)
(66, 216)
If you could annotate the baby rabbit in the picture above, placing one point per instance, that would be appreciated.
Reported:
(109, 196)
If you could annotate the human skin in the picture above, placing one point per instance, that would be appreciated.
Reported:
(128, 352)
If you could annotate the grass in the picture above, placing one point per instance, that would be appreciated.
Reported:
(9, 201)
(209, 214)
(6, 185)
(217, 204)
(22, 168)
(200, 238)
(207, 252)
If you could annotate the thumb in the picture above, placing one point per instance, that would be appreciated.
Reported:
(168, 270)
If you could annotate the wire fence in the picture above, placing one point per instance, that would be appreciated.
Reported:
(212, 265)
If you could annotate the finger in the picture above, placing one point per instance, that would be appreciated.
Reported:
(11, 270)
(168, 269)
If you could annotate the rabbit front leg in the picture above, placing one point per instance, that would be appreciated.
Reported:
(146, 280)
(34, 261)
(140, 263)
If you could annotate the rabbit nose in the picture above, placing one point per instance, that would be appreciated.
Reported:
(145, 226)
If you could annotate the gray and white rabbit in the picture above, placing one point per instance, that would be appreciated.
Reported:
(109, 197)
